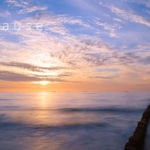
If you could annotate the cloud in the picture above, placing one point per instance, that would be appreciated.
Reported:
(125, 58)
(62, 75)
(109, 27)
(105, 77)
(86, 5)
(144, 47)
(51, 22)
(32, 9)
(145, 60)
(98, 59)
(25, 6)
(112, 57)
(31, 67)
(108, 70)
(81, 55)
(143, 2)
(4, 14)
(83, 52)
(128, 15)
(117, 19)
(72, 44)
(17, 3)
(11, 76)
(73, 52)
(91, 53)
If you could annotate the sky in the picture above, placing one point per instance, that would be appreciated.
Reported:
(74, 45)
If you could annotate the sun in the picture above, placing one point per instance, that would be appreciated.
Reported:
(42, 82)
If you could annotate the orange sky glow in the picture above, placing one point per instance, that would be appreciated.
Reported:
(100, 47)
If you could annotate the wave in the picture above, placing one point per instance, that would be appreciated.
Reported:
(2, 108)
(4, 99)
(16, 125)
(75, 125)
(103, 109)
(73, 110)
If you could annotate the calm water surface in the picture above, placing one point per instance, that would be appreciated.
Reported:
(69, 121)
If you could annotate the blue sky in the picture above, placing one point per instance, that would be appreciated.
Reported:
(117, 22)
(105, 39)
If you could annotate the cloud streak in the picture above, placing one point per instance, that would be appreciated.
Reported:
(109, 27)
(31, 67)
(16, 77)
(105, 77)
(128, 15)
(25, 6)
(145, 60)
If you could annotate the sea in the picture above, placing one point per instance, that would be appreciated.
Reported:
(69, 120)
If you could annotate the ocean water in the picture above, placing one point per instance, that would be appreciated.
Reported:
(69, 121)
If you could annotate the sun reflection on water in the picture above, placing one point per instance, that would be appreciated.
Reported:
(44, 99)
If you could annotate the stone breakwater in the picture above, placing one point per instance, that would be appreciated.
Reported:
(137, 140)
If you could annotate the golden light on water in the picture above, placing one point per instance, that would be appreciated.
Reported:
(43, 99)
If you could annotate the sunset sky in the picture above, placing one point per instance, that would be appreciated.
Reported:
(74, 45)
